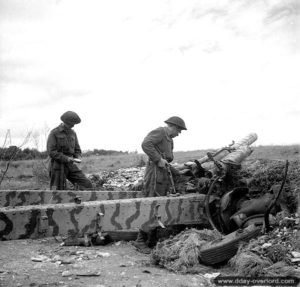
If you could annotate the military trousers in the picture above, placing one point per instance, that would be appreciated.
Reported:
(156, 181)
(59, 172)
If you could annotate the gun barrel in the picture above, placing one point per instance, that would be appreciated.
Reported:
(234, 158)
(247, 140)
(223, 152)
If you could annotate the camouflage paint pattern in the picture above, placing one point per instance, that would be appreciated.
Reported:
(47, 220)
(35, 197)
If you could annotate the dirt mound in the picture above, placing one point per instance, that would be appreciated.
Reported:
(263, 175)
(121, 179)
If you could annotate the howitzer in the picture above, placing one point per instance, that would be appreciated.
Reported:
(123, 212)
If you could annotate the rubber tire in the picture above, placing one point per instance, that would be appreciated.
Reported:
(219, 251)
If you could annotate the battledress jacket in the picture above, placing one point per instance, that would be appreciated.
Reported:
(157, 144)
(61, 144)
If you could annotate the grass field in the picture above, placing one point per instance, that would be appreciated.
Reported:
(23, 174)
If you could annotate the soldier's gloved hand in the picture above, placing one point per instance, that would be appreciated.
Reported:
(162, 163)
(174, 170)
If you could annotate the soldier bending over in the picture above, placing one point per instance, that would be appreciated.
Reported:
(158, 145)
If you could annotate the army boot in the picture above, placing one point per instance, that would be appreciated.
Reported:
(152, 237)
(140, 243)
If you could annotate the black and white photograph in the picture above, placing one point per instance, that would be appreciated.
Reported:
(149, 143)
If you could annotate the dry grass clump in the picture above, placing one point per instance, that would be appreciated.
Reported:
(247, 263)
(281, 269)
(276, 253)
(181, 252)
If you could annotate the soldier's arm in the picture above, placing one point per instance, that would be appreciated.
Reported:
(77, 153)
(149, 143)
(52, 150)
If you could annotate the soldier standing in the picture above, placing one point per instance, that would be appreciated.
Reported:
(64, 150)
(158, 145)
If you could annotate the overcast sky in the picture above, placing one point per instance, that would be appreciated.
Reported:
(227, 68)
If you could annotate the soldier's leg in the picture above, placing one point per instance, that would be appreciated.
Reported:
(55, 180)
(162, 182)
(140, 242)
(156, 181)
(56, 176)
(149, 181)
(76, 176)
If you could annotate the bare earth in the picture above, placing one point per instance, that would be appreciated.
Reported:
(45, 263)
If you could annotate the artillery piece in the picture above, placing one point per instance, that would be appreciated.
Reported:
(46, 213)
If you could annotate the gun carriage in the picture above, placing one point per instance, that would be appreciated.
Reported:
(119, 214)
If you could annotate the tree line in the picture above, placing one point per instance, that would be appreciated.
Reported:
(17, 153)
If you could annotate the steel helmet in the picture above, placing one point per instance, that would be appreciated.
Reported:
(177, 121)
(70, 117)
